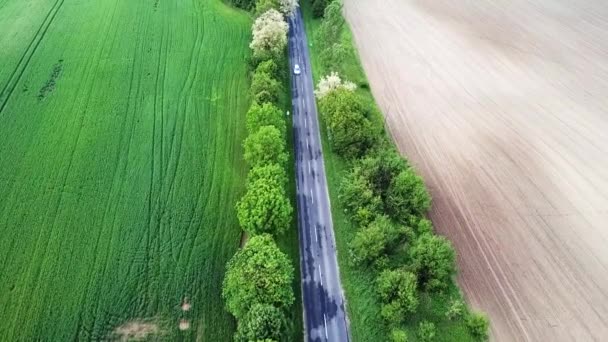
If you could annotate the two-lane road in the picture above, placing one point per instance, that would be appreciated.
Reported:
(324, 314)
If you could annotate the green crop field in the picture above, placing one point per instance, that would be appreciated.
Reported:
(121, 125)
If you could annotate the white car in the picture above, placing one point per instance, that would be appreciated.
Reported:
(296, 69)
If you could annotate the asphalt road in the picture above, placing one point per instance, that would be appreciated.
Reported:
(324, 315)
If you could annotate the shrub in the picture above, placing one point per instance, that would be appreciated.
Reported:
(258, 274)
(433, 259)
(397, 289)
(266, 114)
(264, 88)
(269, 34)
(244, 4)
(262, 6)
(265, 208)
(426, 331)
(407, 195)
(399, 335)
(263, 321)
(478, 325)
(359, 199)
(266, 146)
(371, 245)
(318, 8)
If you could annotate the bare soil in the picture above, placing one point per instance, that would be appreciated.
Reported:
(503, 107)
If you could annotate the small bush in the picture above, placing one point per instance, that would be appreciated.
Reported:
(399, 335)
(478, 325)
(426, 331)
(456, 309)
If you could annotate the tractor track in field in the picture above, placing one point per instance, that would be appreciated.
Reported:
(17, 74)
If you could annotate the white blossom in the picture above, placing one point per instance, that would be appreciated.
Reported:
(332, 82)
(288, 7)
(269, 33)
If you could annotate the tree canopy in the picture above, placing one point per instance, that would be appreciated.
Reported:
(264, 88)
(265, 208)
(265, 114)
(258, 274)
(407, 195)
(372, 244)
(273, 173)
(261, 322)
(269, 34)
(266, 146)
(397, 289)
(433, 259)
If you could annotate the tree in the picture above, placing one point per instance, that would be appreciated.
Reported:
(269, 66)
(358, 197)
(269, 34)
(266, 114)
(258, 274)
(273, 173)
(399, 335)
(407, 195)
(329, 36)
(380, 167)
(266, 146)
(265, 208)
(263, 321)
(372, 244)
(244, 4)
(288, 7)
(433, 259)
(478, 325)
(264, 88)
(331, 82)
(351, 133)
(456, 309)
(262, 6)
(397, 289)
(426, 331)
(318, 8)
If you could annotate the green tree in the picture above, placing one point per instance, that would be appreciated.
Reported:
(258, 274)
(329, 34)
(351, 133)
(398, 335)
(273, 173)
(397, 289)
(265, 208)
(426, 331)
(270, 67)
(318, 8)
(478, 325)
(266, 146)
(359, 199)
(261, 322)
(456, 309)
(407, 195)
(264, 88)
(371, 245)
(380, 168)
(433, 259)
(265, 5)
(265, 114)
(244, 4)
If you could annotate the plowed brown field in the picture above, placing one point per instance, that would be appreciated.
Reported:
(503, 106)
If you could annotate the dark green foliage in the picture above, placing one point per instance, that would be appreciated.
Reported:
(265, 114)
(270, 67)
(244, 4)
(352, 134)
(433, 259)
(265, 208)
(262, 322)
(273, 173)
(426, 331)
(266, 146)
(380, 168)
(358, 197)
(265, 88)
(258, 274)
(407, 195)
(318, 8)
(397, 289)
(372, 244)
(478, 326)
(329, 36)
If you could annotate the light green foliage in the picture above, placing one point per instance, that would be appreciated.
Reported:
(397, 290)
(118, 183)
(272, 173)
(372, 244)
(266, 146)
(478, 325)
(262, 6)
(262, 322)
(456, 309)
(407, 195)
(264, 88)
(329, 36)
(270, 67)
(426, 331)
(258, 274)
(266, 114)
(265, 208)
(399, 335)
(362, 203)
(433, 259)
(352, 134)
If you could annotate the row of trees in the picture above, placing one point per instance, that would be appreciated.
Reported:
(258, 283)
(386, 200)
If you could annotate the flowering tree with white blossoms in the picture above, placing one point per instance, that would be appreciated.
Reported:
(332, 82)
(288, 7)
(269, 34)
